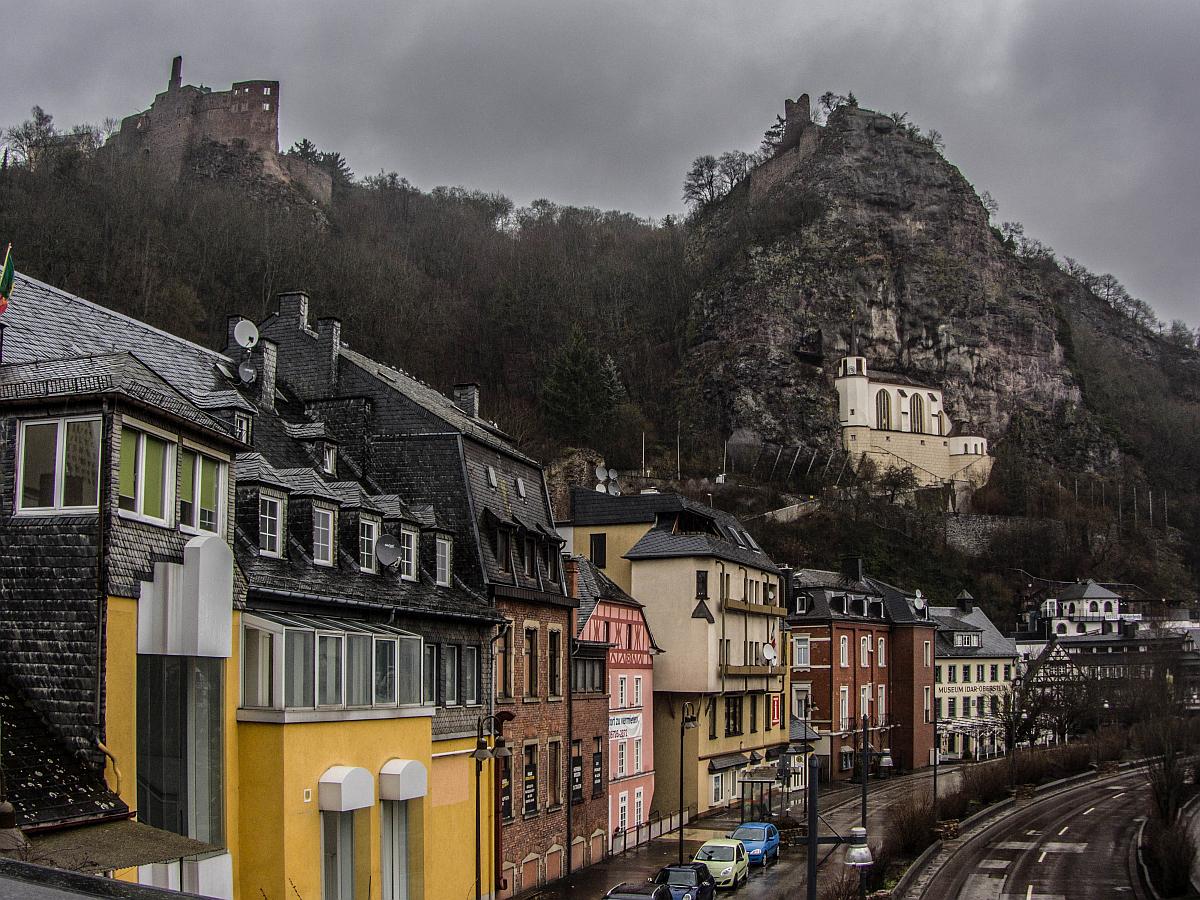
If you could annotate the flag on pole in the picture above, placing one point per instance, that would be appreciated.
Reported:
(6, 279)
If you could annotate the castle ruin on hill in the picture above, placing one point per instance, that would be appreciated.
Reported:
(184, 120)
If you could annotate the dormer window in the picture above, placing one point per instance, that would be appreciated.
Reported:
(323, 532)
(529, 558)
(442, 546)
(408, 554)
(329, 459)
(368, 535)
(270, 524)
(491, 476)
(504, 549)
(243, 427)
(521, 488)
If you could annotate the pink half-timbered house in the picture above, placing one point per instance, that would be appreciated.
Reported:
(609, 615)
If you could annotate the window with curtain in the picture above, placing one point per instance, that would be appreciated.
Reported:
(60, 464)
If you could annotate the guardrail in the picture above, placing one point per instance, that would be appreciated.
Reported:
(645, 832)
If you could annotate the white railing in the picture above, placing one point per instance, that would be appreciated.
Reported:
(646, 832)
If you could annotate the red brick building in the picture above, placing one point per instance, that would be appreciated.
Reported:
(860, 647)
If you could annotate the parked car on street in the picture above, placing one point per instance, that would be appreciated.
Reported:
(726, 860)
(761, 840)
(690, 881)
(629, 890)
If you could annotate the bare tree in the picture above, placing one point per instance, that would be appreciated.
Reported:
(32, 137)
(702, 184)
(733, 165)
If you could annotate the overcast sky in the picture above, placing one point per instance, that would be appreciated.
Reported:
(1082, 118)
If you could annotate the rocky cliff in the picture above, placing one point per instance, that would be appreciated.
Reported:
(862, 228)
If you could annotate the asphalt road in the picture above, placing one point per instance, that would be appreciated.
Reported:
(1073, 845)
(785, 880)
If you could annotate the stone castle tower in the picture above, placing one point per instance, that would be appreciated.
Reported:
(184, 117)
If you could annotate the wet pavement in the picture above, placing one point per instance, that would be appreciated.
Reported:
(784, 879)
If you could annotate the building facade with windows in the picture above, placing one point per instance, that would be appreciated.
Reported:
(976, 666)
(859, 647)
(714, 600)
(119, 670)
(461, 477)
(610, 617)
(899, 422)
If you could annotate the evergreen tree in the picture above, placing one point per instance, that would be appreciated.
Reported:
(581, 390)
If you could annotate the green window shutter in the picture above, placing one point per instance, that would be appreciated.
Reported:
(154, 491)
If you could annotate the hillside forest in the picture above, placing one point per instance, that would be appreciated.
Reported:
(577, 322)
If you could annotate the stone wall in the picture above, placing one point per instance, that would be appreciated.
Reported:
(929, 455)
(973, 535)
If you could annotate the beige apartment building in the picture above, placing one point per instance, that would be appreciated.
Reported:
(715, 603)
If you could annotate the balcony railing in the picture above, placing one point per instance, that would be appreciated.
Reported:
(760, 669)
(755, 609)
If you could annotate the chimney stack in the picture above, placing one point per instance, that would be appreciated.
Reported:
(466, 398)
(329, 342)
(852, 567)
(265, 359)
(176, 74)
(294, 305)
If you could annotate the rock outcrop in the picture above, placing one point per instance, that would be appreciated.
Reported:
(861, 230)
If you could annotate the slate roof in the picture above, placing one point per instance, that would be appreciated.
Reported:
(952, 618)
(46, 783)
(120, 373)
(661, 543)
(435, 402)
(883, 376)
(83, 328)
(822, 586)
(1086, 590)
(836, 581)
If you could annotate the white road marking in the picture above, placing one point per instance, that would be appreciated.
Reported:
(1016, 845)
(1089, 810)
(1034, 831)
(1042, 857)
(1116, 796)
(1029, 892)
(1064, 830)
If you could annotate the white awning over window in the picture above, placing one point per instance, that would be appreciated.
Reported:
(344, 788)
(402, 779)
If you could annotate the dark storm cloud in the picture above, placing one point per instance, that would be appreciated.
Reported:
(1079, 118)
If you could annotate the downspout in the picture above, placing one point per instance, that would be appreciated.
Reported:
(570, 643)
(745, 625)
(103, 524)
(496, 817)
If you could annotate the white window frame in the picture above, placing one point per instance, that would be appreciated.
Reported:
(222, 470)
(844, 707)
(443, 548)
(639, 806)
(637, 755)
(925, 703)
(341, 638)
(330, 515)
(452, 675)
(169, 475)
(881, 654)
(864, 652)
(623, 811)
(864, 700)
(470, 658)
(243, 427)
(280, 517)
(373, 523)
(844, 651)
(621, 691)
(637, 690)
(881, 701)
(60, 454)
(621, 751)
(801, 642)
(927, 653)
(408, 554)
(717, 785)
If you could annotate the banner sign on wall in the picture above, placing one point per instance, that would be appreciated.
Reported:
(626, 727)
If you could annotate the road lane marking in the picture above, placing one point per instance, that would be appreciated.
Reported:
(1064, 830)
(1042, 857)
(1089, 810)
(1029, 892)
(1118, 796)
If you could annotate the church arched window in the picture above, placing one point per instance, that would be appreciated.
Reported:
(883, 411)
(916, 414)
(1108, 606)
(1060, 628)
(1094, 607)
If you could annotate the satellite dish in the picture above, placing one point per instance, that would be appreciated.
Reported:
(601, 473)
(768, 653)
(612, 489)
(247, 373)
(245, 333)
(602, 488)
(612, 474)
(387, 550)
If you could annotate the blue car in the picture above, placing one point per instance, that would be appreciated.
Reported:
(761, 840)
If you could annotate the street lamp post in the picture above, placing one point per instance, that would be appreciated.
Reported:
(482, 753)
(687, 720)
(859, 852)
(865, 763)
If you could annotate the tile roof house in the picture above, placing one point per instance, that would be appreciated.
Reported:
(117, 584)
(861, 647)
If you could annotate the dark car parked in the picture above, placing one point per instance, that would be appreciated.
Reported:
(690, 881)
(628, 890)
